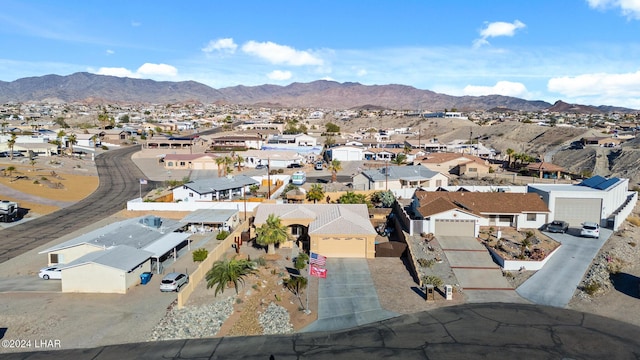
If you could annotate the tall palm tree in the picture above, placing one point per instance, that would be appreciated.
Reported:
(73, 139)
(316, 193)
(11, 143)
(219, 162)
(334, 167)
(59, 137)
(228, 271)
(510, 153)
(271, 232)
(399, 159)
(228, 165)
(239, 161)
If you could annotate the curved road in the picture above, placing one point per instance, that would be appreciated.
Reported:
(119, 183)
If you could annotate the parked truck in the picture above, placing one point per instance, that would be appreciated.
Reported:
(8, 210)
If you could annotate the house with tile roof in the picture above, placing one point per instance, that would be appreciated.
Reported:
(398, 177)
(455, 163)
(332, 230)
(462, 213)
(190, 162)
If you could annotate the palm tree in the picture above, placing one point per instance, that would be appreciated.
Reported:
(239, 161)
(352, 198)
(73, 139)
(399, 159)
(316, 193)
(11, 143)
(228, 165)
(4, 126)
(271, 232)
(228, 271)
(59, 137)
(334, 167)
(510, 153)
(219, 162)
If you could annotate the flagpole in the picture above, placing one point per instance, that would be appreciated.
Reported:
(140, 183)
(307, 311)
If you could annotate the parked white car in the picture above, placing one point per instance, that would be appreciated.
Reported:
(51, 272)
(173, 282)
(590, 229)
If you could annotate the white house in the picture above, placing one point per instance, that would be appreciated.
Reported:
(399, 177)
(215, 189)
(273, 158)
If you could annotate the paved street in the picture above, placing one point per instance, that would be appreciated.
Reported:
(347, 297)
(556, 282)
(471, 331)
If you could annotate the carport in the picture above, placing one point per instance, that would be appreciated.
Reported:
(166, 245)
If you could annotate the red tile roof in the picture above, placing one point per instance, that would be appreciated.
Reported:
(479, 203)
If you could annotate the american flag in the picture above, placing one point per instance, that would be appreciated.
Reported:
(143, 181)
(317, 259)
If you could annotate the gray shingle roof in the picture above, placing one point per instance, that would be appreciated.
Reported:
(205, 186)
(413, 172)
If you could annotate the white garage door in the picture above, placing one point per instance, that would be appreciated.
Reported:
(576, 211)
(455, 227)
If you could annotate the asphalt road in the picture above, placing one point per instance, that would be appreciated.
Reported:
(119, 183)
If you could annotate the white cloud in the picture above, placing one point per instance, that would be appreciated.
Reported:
(498, 28)
(361, 72)
(280, 54)
(506, 88)
(147, 70)
(630, 8)
(115, 71)
(279, 75)
(110, 52)
(225, 45)
(598, 84)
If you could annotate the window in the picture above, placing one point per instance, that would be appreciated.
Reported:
(182, 163)
(190, 194)
(531, 217)
(473, 169)
(54, 258)
(438, 183)
(170, 164)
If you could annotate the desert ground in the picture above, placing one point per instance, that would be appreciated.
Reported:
(47, 186)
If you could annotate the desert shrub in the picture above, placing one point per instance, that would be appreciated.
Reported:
(432, 280)
(634, 220)
(280, 171)
(508, 274)
(261, 261)
(222, 235)
(426, 263)
(200, 254)
(104, 147)
(632, 244)
(591, 288)
(36, 182)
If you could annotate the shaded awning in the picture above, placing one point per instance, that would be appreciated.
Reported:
(166, 243)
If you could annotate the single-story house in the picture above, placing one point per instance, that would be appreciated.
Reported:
(332, 230)
(215, 189)
(272, 158)
(454, 163)
(190, 162)
(398, 177)
(596, 199)
(462, 213)
(113, 270)
(293, 139)
(545, 170)
(236, 142)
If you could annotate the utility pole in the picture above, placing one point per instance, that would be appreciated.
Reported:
(269, 177)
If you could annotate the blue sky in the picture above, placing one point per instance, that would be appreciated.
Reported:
(578, 51)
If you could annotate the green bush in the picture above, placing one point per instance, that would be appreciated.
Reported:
(261, 261)
(432, 280)
(222, 235)
(591, 288)
(200, 254)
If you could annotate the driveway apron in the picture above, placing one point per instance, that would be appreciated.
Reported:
(347, 297)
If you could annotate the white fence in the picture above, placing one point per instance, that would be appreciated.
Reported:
(512, 265)
(139, 205)
(625, 211)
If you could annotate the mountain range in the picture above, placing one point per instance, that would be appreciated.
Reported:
(92, 88)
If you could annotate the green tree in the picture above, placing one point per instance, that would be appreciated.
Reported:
(334, 167)
(384, 198)
(510, 152)
(316, 193)
(125, 119)
(11, 143)
(301, 261)
(59, 137)
(219, 162)
(270, 233)
(399, 159)
(228, 271)
(332, 128)
(73, 139)
(329, 141)
(103, 118)
(352, 198)
(239, 161)
(228, 165)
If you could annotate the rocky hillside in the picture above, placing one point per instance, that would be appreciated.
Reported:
(322, 94)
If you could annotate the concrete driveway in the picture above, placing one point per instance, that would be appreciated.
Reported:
(479, 276)
(347, 297)
(29, 283)
(556, 282)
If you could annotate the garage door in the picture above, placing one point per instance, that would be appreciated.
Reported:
(576, 211)
(455, 227)
(351, 247)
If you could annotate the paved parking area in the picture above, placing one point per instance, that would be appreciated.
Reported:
(557, 281)
(29, 283)
(347, 297)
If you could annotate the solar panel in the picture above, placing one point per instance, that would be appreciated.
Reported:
(605, 185)
(593, 181)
